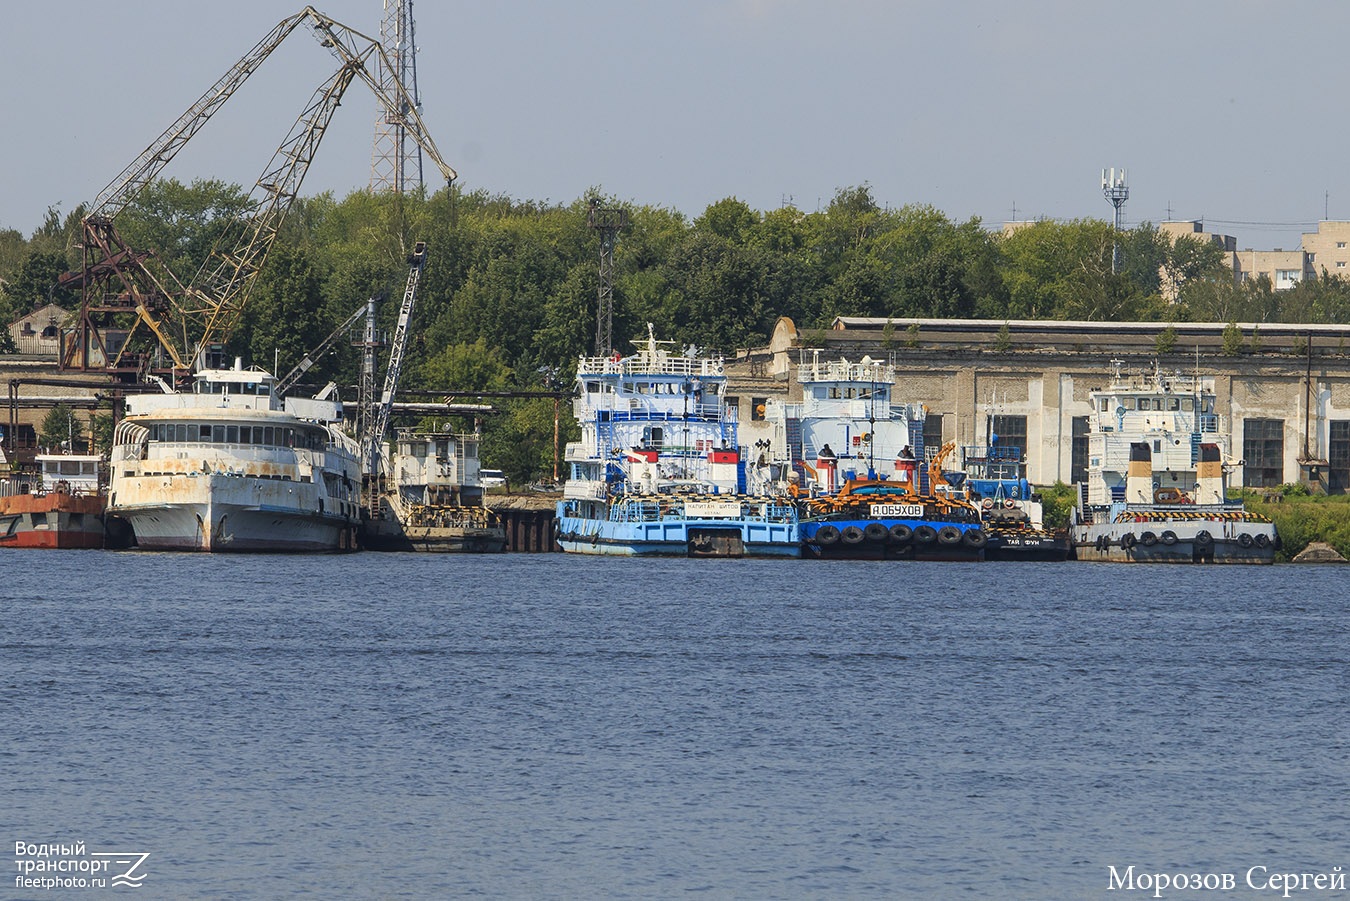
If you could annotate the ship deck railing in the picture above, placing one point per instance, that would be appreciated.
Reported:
(661, 507)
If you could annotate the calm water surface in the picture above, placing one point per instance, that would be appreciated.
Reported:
(406, 726)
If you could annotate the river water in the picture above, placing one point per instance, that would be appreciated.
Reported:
(548, 726)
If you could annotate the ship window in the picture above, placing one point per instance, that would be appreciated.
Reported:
(850, 392)
(267, 435)
(818, 392)
(1188, 404)
(757, 406)
(70, 467)
(232, 434)
(592, 387)
(218, 434)
(834, 392)
(1174, 403)
(1127, 403)
(1104, 404)
(1145, 403)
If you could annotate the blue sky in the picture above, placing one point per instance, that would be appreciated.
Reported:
(1227, 111)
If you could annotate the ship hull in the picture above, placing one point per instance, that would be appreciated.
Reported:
(217, 512)
(896, 539)
(678, 537)
(53, 520)
(1176, 541)
(381, 535)
(1027, 544)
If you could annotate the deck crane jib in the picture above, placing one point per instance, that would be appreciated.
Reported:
(136, 315)
(379, 420)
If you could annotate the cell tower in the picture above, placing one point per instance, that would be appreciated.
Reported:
(608, 222)
(396, 164)
(1117, 192)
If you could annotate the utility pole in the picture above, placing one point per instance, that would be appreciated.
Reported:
(396, 163)
(608, 222)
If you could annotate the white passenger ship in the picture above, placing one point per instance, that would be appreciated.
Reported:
(229, 467)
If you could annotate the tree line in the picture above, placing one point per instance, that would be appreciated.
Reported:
(509, 295)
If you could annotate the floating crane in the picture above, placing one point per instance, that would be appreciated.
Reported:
(138, 317)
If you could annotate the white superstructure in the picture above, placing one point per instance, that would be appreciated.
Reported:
(228, 467)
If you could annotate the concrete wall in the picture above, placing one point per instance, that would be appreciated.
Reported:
(1045, 371)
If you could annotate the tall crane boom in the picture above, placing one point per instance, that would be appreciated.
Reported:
(120, 284)
(288, 381)
(379, 422)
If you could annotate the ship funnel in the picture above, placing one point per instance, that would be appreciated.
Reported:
(1139, 477)
(1209, 488)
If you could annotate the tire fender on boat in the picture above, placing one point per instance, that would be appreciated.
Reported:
(851, 535)
(949, 535)
(1245, 540)
(901, 533)
(1169, 538)
(1262, 540)
(826, 535)
(876, 531)
(925, 534)
(1203, 538)
(974, 538)
(1149, 539)
(1127, 540)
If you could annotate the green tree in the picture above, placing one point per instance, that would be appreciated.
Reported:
(283, 317)
(60, 428)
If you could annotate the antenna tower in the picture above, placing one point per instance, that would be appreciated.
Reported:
(396, 164)
(1116, 192)
(608, 222)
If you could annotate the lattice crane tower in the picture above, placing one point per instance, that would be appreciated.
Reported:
(396, 164)
(608, 222)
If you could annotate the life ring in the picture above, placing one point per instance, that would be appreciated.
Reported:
(1149, 539)
(1009, 503)
(1262, 540)
(1169, 538)
(1245, 540)
(852, 535)
(1127, 540)
(987, 503)
(901, 533)
(1203, 538)
(826, 535)
(925, 534)
(949, 535)
(974, 538)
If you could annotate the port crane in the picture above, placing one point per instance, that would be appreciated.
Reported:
(136, 316)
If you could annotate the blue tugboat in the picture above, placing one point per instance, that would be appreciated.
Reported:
(860, 479)
(658, 470)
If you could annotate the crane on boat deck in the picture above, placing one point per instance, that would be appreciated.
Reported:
(136, 316)
(377, 423)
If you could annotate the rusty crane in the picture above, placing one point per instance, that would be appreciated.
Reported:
(136, 316)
